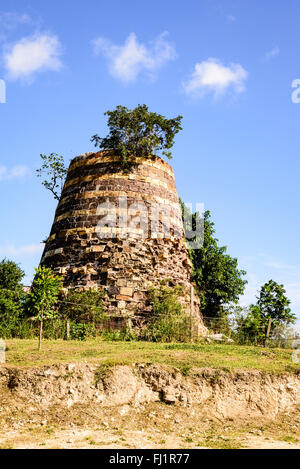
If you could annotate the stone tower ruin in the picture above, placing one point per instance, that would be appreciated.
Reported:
(120, 231)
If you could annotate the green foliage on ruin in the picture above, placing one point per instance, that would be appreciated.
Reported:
(82, 306)
(117, 335)
(138, 133)
(85, 311)
(169, 322)
(54, 171)
(80, 331)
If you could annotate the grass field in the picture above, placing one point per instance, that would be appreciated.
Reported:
(183, 356)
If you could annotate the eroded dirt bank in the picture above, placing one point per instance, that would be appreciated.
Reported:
(244, 393)
(145, 406)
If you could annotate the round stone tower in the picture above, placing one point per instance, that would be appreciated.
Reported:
(120, 231)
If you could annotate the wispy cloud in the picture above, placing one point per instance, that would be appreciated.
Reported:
(212, 76)
(280, 266)
(126, 62)
(16, 172)
(251, 289)
(11, 19)
(25, 250)
(231, 18)
(272, 53)
(223, 11)
(31, 55)
(293, 292)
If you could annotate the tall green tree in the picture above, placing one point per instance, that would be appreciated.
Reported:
(43, 296)
(12, 297)
(215, 272)
(11, 311)
(10, 275)
(272, 303)
(54, 170)
(138, 132)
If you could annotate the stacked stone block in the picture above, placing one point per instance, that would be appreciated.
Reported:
(98, 240)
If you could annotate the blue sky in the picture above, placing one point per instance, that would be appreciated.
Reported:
(226, 66)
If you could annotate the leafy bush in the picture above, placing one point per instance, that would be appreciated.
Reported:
(11, 298)
(117, 335)
(168, 323)
(82, 306)
(11, 310)
(84, 310)
(80, 331)
(25, 329)
(55, 328)
(249, 327)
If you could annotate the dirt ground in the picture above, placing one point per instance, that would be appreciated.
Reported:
(147, 406)
(154, 425)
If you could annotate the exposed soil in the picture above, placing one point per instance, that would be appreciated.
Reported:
(147, 406)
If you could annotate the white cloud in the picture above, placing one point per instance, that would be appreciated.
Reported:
(16, 172)
(272, 53)
(25, 250)
(211, 76)
(128, 61)
(31, 55)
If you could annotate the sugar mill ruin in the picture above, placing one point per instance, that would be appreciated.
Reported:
(121, 231)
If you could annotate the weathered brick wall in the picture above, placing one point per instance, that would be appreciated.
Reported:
(125, 260)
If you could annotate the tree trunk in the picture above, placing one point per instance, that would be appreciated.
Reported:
(41, 330)
(68, 329)
(191, 313)
(268, 331)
